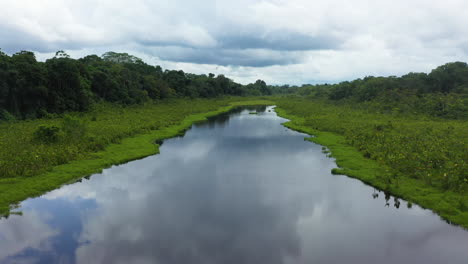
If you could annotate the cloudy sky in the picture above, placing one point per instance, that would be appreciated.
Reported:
(280, 41)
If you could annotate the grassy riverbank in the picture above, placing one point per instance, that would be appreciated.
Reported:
(107, 135)
(419, 159)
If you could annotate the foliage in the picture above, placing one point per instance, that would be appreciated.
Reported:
(74, 128)
(46, 134)
(30, 89)
(406, 135)
(85, 133)
(418, 158)
(28, 169)
(433, 151)
(6, 116)
(441, 93)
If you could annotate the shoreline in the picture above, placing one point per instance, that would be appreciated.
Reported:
(353, 164)
(350, 163)
(129, 149)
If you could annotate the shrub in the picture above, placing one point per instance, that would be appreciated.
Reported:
(47, 134)
(73, 128)
(6, 116)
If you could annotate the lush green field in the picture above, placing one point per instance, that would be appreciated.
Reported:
(80, 144)
(420, 159)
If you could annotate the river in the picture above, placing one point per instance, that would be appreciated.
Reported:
(240, 188)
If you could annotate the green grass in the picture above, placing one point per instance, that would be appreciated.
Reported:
(419, 159)
(391, 157)
(122, 134)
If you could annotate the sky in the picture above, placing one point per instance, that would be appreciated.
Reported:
(279, 41)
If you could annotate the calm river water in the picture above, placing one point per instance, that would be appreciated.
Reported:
(238, 189)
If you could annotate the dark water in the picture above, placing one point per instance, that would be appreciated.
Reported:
(239, 189)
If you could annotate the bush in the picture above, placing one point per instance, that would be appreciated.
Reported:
(6, 116)
(47, 134)
(73, 128)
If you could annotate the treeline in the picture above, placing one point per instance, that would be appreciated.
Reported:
(441, 93)
(32, 89)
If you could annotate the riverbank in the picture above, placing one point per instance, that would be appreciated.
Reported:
(116, 135)
(335, 133)
(130, 134)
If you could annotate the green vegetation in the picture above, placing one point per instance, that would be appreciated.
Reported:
(30, 89)
(109, 100)
(420, 159)
(405, 135)
(40, 155)
(441, 93)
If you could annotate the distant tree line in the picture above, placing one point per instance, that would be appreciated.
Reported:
(33, 89)
(443, 92)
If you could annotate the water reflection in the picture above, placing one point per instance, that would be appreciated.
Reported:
(190, 220)
(240, 190)
(223, 119)
(24, 232)
(396, 201)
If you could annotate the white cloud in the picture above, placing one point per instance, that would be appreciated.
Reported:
(296, 41)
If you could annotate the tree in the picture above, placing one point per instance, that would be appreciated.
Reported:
(177, 81)
(449, 76)
(29, 84)
(67, 89)
(261, 86)
(61, 54)
(29, 88)
(121, 58)
(4, 87)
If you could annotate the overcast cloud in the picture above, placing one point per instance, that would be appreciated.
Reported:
(280, 41)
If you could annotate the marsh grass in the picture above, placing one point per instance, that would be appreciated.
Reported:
(107, 135)
(418, 158)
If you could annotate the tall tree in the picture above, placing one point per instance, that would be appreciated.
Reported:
(68, 91)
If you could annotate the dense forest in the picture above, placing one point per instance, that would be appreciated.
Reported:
(441, 93)
(30, 89)
(33, 89)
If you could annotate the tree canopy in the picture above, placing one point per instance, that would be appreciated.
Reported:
(442, 93)
(30, 89)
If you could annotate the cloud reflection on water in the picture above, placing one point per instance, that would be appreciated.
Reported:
(241, 190)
